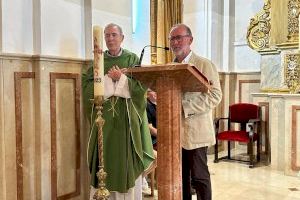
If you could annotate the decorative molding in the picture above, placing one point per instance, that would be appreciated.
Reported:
(76, 78)
(18, 114)
(243, 82)
(295, 125)
(240, 73)
(272, 90)
(240, 43)
(16, 56)
(267, 135)
(13, 56)
(59, 59)
(222, 84)
(222, 103)
(258, 33)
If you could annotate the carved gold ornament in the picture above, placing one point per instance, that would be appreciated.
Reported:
(292, 72)
(293, 22)
(258, 34)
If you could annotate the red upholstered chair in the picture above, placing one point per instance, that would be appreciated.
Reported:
(248, 116)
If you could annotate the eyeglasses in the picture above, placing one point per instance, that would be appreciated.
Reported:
(178, 38)
(114, 35)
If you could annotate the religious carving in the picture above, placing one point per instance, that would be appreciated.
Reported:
(293, 22)
(292, 72)
(258, 34)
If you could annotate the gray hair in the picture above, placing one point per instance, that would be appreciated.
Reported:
(188, 30)
(114, 25)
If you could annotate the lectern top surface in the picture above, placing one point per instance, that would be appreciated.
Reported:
(188, 76)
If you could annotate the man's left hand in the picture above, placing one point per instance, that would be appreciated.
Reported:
(115, 73)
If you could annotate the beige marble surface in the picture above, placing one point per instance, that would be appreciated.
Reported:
(235, 181)
(25, 150)
(280, 129)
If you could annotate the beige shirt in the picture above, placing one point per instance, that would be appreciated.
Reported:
(197, 120)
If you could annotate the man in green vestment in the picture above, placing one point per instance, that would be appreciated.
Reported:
(127, 146)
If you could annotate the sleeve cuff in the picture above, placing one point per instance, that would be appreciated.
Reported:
(122, 88)
(109, 87)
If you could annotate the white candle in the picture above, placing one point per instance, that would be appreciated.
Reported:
(98, 62)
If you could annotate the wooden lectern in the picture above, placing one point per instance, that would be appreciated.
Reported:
(170, 81)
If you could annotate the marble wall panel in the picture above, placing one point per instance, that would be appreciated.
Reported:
(272, 74)
(246, 88)
(25, 135)
(277, 131)
(2, 144)
(265, 134)
(25, 129)
(11, 168)
(55, 183)
(65, 134)
(283, 127)
(295, 150)
(242, 85)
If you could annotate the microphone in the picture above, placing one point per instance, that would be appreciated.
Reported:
(143, 51)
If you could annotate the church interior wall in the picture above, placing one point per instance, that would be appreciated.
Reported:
(195, 17)
(62, 28)
(2, 158)
(63, 31)
(245, 58)
(16, 26)
(43, 135)
(57, 65)
(136, 40)
(220, 29)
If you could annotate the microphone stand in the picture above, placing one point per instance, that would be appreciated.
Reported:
(143, 51)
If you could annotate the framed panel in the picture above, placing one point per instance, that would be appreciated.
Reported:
(18, 76)
(56, 124)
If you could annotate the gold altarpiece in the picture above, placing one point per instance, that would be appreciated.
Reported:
(274, 33)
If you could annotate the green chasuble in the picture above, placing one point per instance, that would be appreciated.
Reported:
(127, 142)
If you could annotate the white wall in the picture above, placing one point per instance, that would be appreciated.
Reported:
(17, 26)
(62, 28)
(246, 59)
(133, 41)
(58, 32)
(205, 18)
(195, 16)
(220, 29)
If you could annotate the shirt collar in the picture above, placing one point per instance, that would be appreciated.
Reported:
(187, 58)
(119, 54)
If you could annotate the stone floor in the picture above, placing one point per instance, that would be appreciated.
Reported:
(235, 181)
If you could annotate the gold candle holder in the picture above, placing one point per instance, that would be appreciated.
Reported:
(102, 193)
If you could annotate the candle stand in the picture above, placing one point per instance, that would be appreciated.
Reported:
(102, 193)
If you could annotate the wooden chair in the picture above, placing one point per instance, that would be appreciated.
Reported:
(248, 116)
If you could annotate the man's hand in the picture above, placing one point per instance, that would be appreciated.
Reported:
(115, 73)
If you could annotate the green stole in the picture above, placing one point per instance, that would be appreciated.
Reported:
(126, 138)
